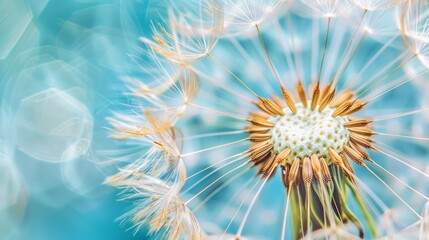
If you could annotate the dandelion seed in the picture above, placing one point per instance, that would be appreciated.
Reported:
(244, 14)
(190, 32)
(373, 5)
(325, 8)
(415, 28)
(158, 206)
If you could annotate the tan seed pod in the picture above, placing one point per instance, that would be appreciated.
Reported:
(293, 173)
(327, 99)
(326, 89)
(362, 151)
(355, 156)
(315, 96)
(258, 161)
(339, 161)
(307, 171)
(357, 123)
(301, 93)
(348, 169)
(335, 157)
(257, 129)
(317, 168)
(261, 106)
(285, 174)
(271, 107)
(260, 150)
(259, 137)
(365, 131)
(357, 106)
(260, 122)
(282, 157)
(268, 166)
(325, 171)
(363, 141)
(345, 106)
(288, 99)
(260, 155)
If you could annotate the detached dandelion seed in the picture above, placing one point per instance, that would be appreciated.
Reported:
(312, 117)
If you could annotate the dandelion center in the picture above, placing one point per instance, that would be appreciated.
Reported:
(309, 132)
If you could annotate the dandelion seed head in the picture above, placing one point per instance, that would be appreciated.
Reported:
(414, 26)
(189, 33)
(309, 132)
(324, 8)
(158, 206)
(244, 14)
(374, 5)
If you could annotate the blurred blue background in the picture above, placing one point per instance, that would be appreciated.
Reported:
(60, 69)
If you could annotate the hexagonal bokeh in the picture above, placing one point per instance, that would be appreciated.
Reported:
(14, 19)
(13, 192)
(53, 126)
(82, 176)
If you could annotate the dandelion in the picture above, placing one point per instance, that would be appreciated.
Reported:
(159, 207)
(414, 25)
(190, 32)
(241, 16)
(417, 230)
(319, 117)
(326, 8)
(371, 5)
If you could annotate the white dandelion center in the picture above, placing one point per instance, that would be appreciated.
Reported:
(309, 132)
